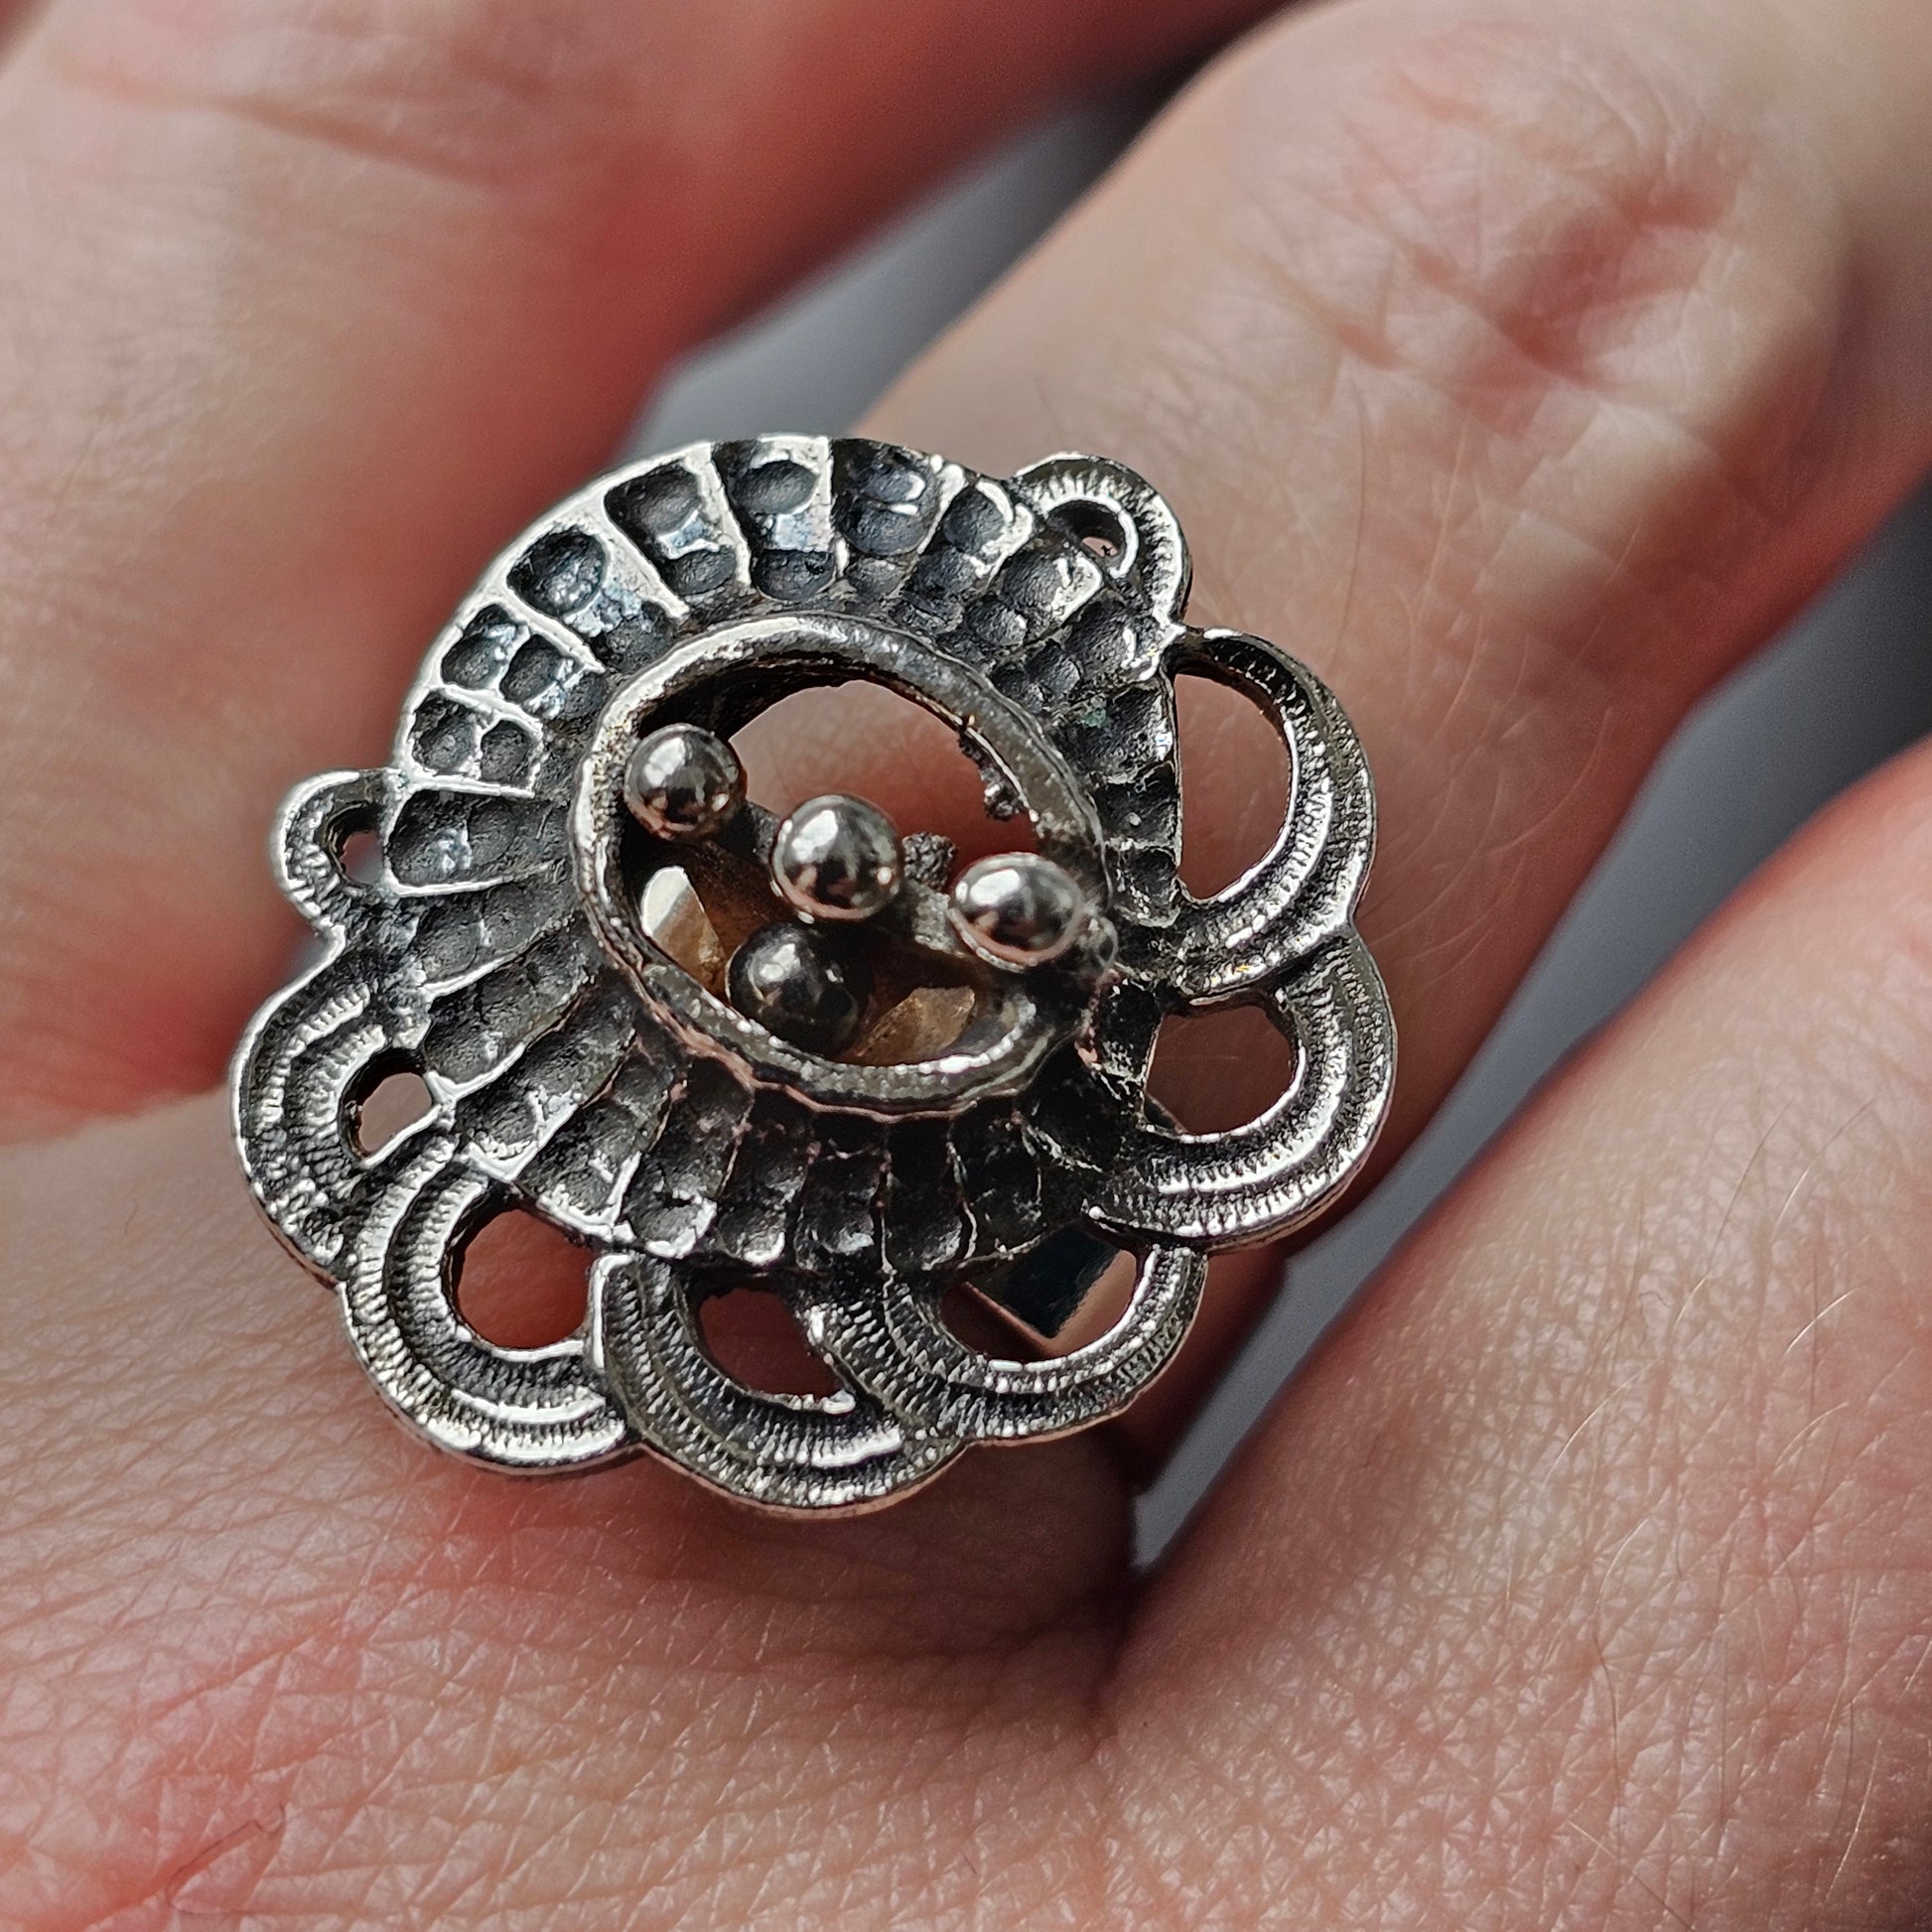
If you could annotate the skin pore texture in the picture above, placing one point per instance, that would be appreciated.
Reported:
(1519, 366)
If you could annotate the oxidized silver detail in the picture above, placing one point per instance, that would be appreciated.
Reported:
(576, 1069)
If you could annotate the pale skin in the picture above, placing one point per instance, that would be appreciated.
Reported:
(1518, 362)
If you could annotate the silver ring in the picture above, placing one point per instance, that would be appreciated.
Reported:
(777, 1111)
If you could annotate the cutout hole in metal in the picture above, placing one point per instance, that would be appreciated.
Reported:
(1056, 1297)
(755, 1339)
(522, 1281)
(862, 739)
(1099, 529)
(357, 845)
(1215, 1071)
(389, 1099)
(1235, 775)
(985, 1326)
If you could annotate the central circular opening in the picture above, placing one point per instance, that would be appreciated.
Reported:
(935, 1030)
(703, 909)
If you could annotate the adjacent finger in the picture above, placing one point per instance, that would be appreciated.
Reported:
(1519, 370)
(1584, 1579)
(304, 308)
(266, 1656)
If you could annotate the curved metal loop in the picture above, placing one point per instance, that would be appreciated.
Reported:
(516, 1407)
(1301, 894)
(840, 1451)
(309, 831)
(1124, 519)
(894, 1343)
(296, 1075)
(1256, 1183)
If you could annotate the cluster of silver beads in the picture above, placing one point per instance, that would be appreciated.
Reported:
(838, 860)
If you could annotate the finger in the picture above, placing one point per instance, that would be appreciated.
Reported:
(264, 1655)
(303, 310)
(14, 16)
(1517, 378)
(1585, 1571)
(1610, 1609)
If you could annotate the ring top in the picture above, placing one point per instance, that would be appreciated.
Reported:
(1020, 1025)
(760, 1084)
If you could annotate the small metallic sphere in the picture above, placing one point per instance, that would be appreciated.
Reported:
(801, 985)
(1017, 910)
(837, 858)
(683, 782)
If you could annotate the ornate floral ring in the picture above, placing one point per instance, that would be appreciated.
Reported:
(813, 1055)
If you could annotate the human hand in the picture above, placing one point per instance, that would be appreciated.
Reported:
(1518, 366)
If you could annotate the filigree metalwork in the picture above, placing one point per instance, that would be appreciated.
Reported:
(576, 1070)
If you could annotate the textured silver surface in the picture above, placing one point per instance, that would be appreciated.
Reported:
(576, 1070)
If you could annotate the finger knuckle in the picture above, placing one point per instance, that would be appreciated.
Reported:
(1541, 213)
(490, 93)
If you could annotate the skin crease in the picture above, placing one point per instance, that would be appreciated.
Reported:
(1535, 360)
